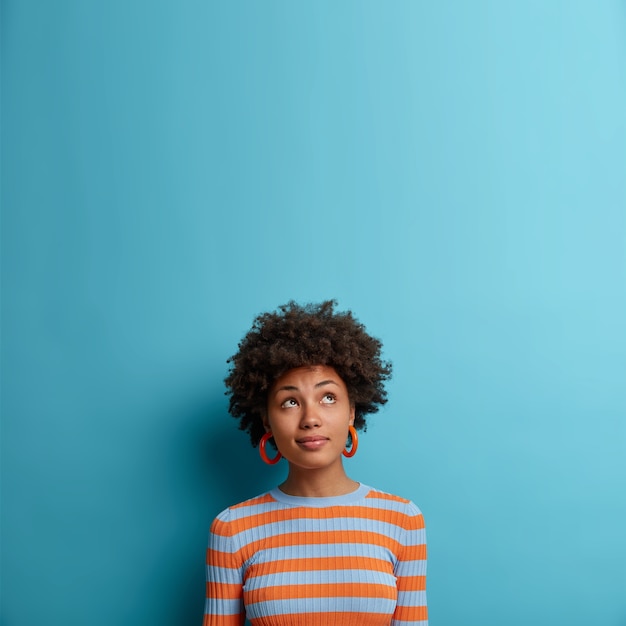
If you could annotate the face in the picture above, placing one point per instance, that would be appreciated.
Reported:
(308, 413)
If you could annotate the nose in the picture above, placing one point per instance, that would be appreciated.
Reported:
(309, 417)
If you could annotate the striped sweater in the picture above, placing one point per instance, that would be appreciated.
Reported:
(280, 560)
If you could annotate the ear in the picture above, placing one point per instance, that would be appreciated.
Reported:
(266, 423)
(352, 415)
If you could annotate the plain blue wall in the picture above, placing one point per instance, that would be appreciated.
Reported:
(454, 172)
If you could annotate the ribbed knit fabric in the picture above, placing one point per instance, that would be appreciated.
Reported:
(280, 560)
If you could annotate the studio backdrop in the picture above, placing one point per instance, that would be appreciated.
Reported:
(453, 172)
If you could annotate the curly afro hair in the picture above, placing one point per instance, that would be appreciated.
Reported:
(300, 335)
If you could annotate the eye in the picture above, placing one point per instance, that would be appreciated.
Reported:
(287, 404)
(328, 398)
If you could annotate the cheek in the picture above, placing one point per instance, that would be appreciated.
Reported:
(273, 425)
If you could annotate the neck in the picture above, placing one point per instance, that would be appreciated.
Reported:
(310, 483)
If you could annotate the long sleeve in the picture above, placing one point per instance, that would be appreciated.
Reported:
(358, 558)
(224, 577)
(410, 571)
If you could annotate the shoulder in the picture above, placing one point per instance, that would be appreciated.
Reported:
(233, 516)
(396, 506)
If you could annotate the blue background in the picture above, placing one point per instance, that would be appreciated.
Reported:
(454, 172)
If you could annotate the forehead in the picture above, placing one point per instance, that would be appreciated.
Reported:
(308, 376)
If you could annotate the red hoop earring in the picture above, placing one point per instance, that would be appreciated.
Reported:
(355, 443)
(266, 437)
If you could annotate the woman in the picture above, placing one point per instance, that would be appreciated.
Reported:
(320, 549)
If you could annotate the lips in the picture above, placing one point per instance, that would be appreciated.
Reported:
(314, 442)
(313, 438)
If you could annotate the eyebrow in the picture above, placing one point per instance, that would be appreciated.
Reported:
(316, 386)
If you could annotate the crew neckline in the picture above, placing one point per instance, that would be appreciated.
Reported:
(347, 498)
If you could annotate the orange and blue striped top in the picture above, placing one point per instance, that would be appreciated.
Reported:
(280, 560)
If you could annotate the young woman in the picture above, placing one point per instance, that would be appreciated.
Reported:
(320, 549)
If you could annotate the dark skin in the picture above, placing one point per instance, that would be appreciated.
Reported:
(308, 413)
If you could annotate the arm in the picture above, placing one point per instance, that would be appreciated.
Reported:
(410, 571)
(224, 578)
